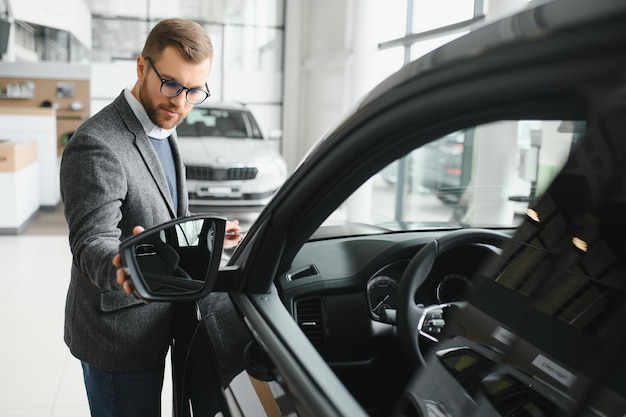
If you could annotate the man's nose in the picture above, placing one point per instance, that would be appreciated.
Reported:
(180, 100)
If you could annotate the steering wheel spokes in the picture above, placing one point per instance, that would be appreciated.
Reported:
(430, 324)
(433, 320)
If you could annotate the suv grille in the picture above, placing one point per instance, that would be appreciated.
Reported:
(204, 173)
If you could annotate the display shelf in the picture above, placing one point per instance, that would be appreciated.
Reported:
(5, 96)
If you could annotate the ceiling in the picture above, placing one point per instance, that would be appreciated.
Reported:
(119, 27)
(213, 10)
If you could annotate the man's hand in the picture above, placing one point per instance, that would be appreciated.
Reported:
(233, 234)
(232, 238)
(122, 278)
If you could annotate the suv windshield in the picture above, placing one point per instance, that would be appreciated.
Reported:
(203, 122)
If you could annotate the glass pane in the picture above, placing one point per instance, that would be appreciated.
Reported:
(118, 39)
(386, 62)
(429, 15)
(250, 12)
(423, 47)
(252, 60)
(253, 48)
(135, 8)
(392, 25)
(115, 38)
(483, 176)
(241, 12)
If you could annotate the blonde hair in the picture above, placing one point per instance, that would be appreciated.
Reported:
(189, 37)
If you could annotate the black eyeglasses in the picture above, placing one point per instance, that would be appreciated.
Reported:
(171, 88)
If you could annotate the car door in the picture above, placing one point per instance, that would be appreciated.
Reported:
(558, 61)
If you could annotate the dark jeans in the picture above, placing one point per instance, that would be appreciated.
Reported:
(123, 394)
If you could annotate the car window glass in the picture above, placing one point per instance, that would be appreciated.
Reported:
(563, 274)
(481, 176)
(203, 122)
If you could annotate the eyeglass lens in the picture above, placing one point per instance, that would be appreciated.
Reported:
(171, 88)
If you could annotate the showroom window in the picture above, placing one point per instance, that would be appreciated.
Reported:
(428, 15)
(482, 176)
(429, 25)
(247, 38)
(49, 44)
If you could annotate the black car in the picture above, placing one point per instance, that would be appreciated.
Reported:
(500, 314)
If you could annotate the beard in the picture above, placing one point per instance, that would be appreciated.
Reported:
(157, 117)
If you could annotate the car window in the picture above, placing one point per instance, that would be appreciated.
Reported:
(559, 282)
(483, 176)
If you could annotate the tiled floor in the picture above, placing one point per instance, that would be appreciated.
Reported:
(38, 375)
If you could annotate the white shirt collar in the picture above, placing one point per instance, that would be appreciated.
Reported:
(150, 128)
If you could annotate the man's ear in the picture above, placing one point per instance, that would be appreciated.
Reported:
(142, 68)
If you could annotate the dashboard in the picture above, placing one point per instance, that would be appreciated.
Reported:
(343, 293)
(374, 267)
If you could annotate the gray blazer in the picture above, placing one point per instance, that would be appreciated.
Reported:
(111, 181)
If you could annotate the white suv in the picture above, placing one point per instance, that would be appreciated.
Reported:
(229, 164)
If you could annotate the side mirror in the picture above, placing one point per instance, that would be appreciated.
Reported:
(275, 134)
(177, 260)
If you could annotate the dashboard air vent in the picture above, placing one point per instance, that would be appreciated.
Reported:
(310, 318)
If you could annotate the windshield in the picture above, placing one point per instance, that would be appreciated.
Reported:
(218, 122)
(483, 176)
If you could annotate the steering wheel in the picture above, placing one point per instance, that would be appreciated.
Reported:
(413, 316)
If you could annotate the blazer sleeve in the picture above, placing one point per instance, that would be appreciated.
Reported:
(93, 188)
(108, 187)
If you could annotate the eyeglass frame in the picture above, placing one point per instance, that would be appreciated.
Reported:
(181, 87)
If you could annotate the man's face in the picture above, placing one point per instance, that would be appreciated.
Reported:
(168, 112)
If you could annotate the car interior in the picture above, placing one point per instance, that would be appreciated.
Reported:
(516, 257)
(344, 292)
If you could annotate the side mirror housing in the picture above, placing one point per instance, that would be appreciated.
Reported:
(275, 134)
(176, 261)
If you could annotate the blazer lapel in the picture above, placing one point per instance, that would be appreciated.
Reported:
(142, 142)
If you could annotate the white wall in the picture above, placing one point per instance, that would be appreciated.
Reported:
(40, 127)
(108, 80)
